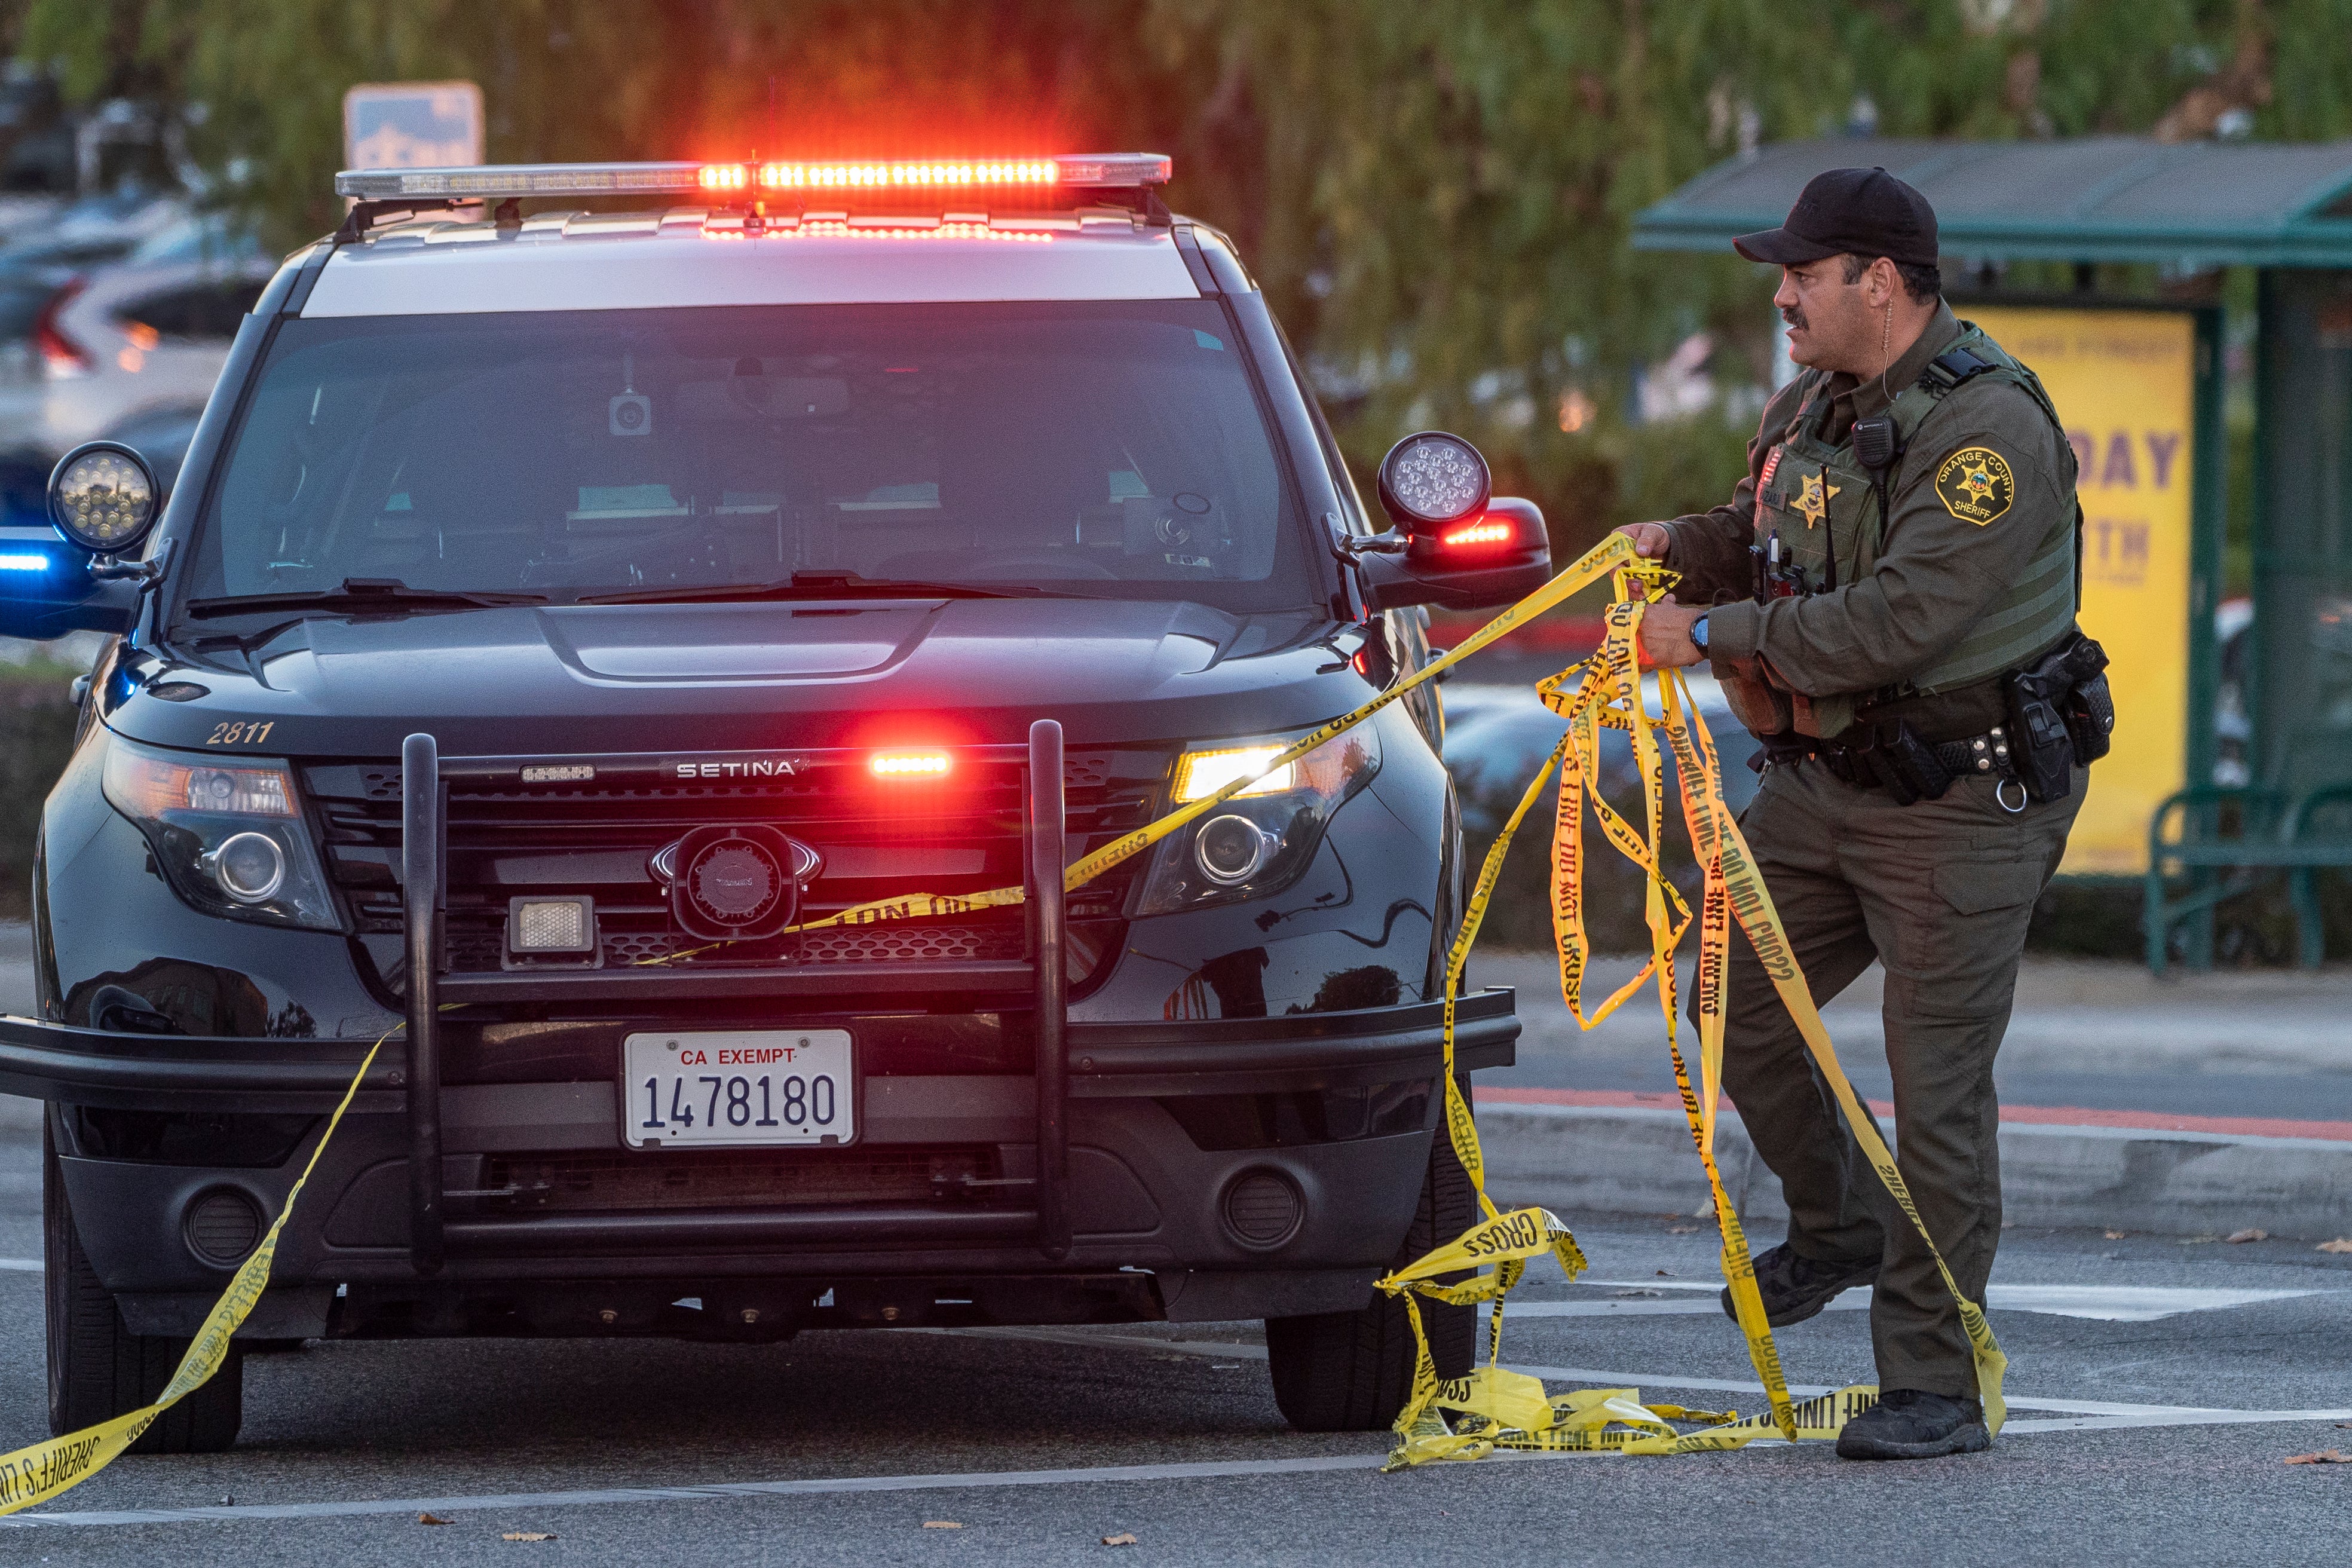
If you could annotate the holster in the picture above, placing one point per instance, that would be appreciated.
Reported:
(2044, 747)
(1753, 700)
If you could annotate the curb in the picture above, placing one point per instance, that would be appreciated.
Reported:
(1594, 1154)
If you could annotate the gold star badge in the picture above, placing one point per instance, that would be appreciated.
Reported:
(1813, 500)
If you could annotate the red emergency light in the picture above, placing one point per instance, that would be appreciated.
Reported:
(1485, 531)
(911, 764)
(923, 176)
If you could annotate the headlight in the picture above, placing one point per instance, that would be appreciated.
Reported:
(228, 836)
(1264, 836)
(1200, 774)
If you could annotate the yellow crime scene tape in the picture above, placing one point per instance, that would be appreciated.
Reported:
(41, 1472)
(1495, 1408)
(1505, 1408)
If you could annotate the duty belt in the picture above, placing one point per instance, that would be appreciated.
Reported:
(1985, 755)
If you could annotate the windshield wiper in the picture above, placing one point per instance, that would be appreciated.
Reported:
(822, 586)
(386, 595)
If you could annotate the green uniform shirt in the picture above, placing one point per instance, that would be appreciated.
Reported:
(1938, 571)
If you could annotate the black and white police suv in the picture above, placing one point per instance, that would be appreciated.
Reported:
(556, 612)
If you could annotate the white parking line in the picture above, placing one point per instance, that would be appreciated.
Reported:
(2083, 1414)
(241, 1513)
(2102, 1304)
(2079, 1416)
(20, 1265)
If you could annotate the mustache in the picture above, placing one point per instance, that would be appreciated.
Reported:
(1794, 316)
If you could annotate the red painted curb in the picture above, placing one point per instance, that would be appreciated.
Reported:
(2040, 1115)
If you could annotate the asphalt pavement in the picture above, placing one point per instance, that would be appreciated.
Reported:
(2133, 1438)
(2157, 1388)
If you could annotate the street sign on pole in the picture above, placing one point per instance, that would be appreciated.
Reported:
(412, 125)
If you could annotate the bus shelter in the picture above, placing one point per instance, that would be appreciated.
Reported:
(2138, 381)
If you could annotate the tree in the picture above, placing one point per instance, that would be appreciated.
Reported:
(1437, 197)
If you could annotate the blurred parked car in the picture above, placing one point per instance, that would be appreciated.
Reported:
(93, 232)
(1496, 736)
(141, 342)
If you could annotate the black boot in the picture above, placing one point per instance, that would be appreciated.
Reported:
(1911, 1423)
(1795, 1288)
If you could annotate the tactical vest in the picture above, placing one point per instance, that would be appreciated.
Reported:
(1826, 509)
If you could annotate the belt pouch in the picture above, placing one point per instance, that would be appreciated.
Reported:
(1901, 763)
(1915, 761)
(2090, 713)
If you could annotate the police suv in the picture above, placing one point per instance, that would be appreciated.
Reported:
(560, 616)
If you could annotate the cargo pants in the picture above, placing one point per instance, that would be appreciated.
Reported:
(1940, 893)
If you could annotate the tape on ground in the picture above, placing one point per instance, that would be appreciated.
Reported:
(35, 1474)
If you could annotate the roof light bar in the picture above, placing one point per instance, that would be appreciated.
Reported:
(830, 176)
(1084, 170)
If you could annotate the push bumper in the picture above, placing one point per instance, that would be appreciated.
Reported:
(1165, 1122)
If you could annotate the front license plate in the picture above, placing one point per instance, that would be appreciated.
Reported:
(753, 1086)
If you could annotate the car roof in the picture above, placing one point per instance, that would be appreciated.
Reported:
(701, 256)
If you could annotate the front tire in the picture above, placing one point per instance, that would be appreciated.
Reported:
(97, 1368)
(1350, 1372)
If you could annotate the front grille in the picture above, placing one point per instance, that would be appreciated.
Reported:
(506, 839)
(741, 1178)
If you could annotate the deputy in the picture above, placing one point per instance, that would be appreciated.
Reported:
(1898, 565)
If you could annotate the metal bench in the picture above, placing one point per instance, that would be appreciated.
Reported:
(2227, 841)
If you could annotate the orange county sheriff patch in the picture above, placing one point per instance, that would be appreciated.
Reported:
(1975, 484)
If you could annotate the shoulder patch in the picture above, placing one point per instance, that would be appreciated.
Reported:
(1975, 484)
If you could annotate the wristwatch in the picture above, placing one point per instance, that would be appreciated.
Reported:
(1698, 633)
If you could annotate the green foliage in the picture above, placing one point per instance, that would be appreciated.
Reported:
(36, 730)
(1437, 197)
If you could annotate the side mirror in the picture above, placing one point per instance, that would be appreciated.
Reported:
(1462, 547)
(69, 577)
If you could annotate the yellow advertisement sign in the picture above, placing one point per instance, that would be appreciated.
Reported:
(2124, 383)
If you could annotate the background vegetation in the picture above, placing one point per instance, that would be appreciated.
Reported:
(1435, 195)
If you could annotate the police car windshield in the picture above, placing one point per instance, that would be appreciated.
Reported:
(1109, 449)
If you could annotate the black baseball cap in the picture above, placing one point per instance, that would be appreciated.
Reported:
(1859, 212)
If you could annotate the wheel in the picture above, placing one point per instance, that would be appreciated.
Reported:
(1350, 1371)
(99, 1369)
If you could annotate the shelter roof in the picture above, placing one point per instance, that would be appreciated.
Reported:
(2091, 198)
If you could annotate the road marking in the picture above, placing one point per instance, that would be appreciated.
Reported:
(715, 1491)
(2059, 1117)
(952, 1481)
(20, 1265)
(2081, 1415)
(2102, 1303)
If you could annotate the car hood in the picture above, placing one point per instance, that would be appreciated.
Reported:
(735, 677)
